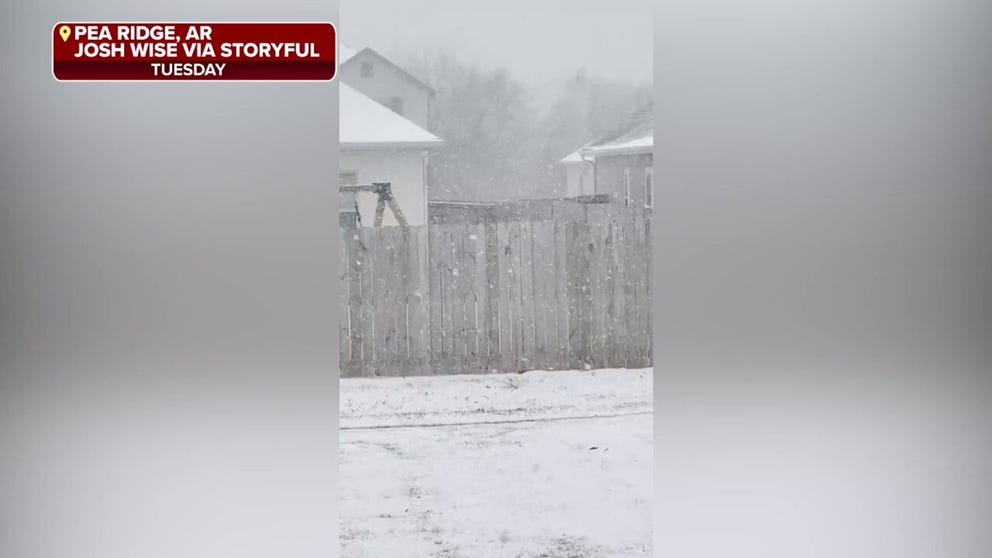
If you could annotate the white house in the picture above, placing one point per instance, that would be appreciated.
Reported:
(379, 145)
(384, 112)
(620, 164)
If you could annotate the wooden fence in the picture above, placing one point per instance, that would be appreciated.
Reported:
(572, 291)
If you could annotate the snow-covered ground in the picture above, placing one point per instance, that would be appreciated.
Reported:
(534, 465)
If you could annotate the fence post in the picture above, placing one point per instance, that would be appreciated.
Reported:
(354, 251)
(492, 295)
(580, 294)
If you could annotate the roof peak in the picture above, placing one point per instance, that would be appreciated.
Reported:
(641, 116)
(349, 56)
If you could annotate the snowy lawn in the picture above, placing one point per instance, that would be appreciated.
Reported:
(534, 465)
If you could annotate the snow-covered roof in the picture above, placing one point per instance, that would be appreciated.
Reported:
(641, 144)
(635, 136)
(368, 124)
(575, 157)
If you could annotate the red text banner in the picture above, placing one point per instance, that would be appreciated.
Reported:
(194, 51)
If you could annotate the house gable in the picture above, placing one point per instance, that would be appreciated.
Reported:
(369, 55)
(391, 86)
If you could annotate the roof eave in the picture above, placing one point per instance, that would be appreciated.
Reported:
(606, 151)
(584, 160)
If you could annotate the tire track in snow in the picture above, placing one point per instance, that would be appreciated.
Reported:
(492, 422)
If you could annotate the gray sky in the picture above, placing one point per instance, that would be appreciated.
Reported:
(538, 41)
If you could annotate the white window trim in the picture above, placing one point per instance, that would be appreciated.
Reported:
(626, 188)
(648, 173)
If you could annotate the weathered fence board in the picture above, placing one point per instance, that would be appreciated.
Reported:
(486, 295)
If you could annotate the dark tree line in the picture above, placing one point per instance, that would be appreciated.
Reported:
(498, 143)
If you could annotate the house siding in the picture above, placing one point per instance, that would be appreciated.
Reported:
(404, 169)
(386, 83)
(579, 179)
(610, 176)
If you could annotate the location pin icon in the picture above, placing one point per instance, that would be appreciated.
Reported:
(64, 32)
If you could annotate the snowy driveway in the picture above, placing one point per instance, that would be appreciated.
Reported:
(539, 465)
